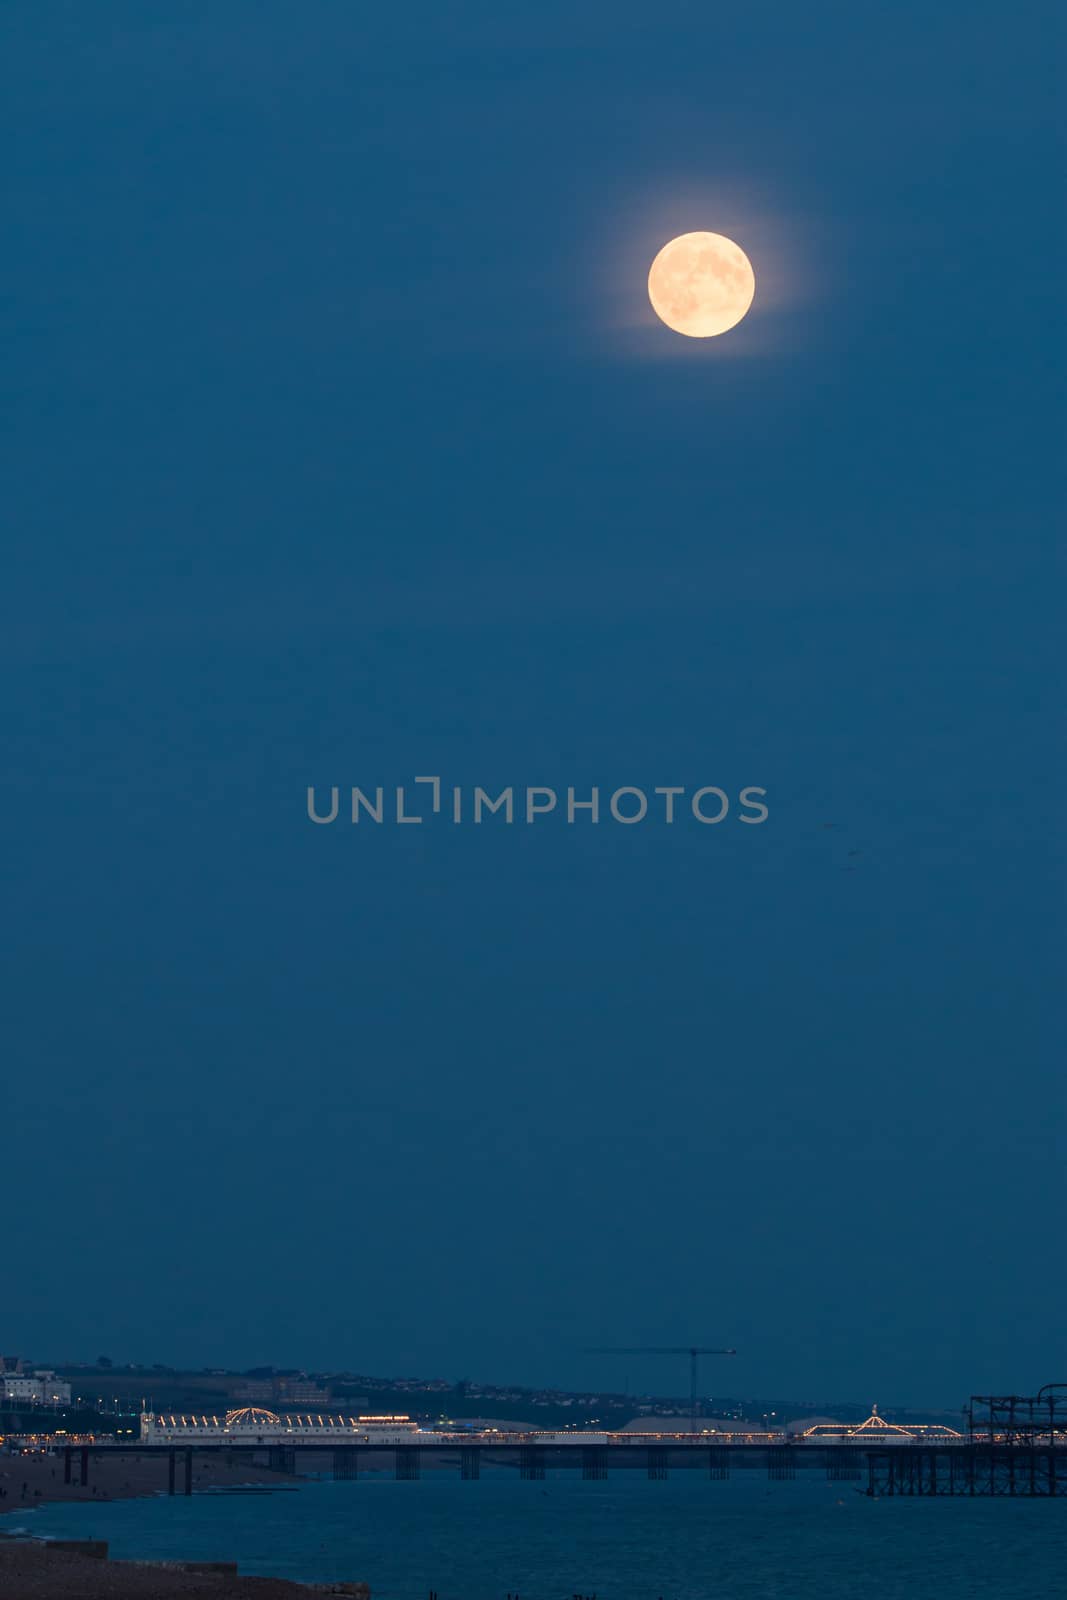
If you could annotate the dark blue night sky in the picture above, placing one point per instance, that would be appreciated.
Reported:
(343, 446)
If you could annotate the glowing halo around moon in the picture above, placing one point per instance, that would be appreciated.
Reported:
(701, 284)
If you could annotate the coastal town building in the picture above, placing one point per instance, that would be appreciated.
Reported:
(36, 1389)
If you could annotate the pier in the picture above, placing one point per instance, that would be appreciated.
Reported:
(1013, 1445)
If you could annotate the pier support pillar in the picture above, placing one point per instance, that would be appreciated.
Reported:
(68, 1455)
(172, 1462)
(531, 1461)
(657, 1461)
(842, 1462)
(188, 1472)
(470, 1462)
(85, 1466)
(780, 1463)
(718, 1462)
(345, 1464)
(594, 1462)
(408, 1462)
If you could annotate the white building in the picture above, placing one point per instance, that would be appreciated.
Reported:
(36, 1389)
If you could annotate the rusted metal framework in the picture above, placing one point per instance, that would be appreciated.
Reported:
(1019, 1419)
(1015, 1445)
(969, 1469)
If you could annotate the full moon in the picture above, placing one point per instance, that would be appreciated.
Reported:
(701, 284)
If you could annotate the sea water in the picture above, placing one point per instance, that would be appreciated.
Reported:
(627, 1538)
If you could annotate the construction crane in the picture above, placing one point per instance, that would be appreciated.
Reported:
(693, 1351)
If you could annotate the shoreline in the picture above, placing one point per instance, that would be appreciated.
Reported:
(33, 1567)
(81, 1569)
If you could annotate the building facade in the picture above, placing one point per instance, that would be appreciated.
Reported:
(35, 1389)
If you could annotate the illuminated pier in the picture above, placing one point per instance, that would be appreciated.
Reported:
(1013, 1446)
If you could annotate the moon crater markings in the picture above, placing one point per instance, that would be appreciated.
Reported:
(701, 284)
